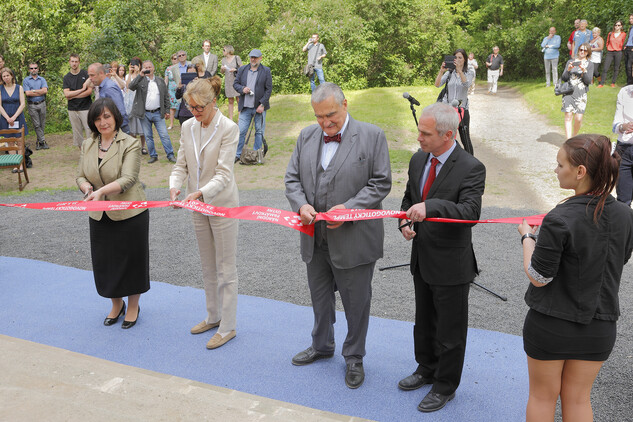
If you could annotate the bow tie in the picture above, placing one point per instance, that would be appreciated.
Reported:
(335, 138)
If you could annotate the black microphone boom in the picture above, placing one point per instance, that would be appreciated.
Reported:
(411, 99)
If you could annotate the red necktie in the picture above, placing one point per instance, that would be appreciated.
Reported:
(430, 178)
(335, 138)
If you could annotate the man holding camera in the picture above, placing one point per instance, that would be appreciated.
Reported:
(107, 88)
(316, 52)
(151, 103)
(494, 63)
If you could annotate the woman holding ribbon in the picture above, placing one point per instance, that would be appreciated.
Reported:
(205, 160)
(574, 267)
(108, 171)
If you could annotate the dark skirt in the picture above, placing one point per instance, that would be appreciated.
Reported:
(550, 338)
(120, 255)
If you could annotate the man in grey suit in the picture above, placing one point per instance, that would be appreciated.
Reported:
(339, 163)
(210, 60)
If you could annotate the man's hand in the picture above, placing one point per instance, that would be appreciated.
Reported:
(166, 115)
(335, 225)
(246, 90)
(260, 109)
(307, 214)
(417, 212)
(407, 231)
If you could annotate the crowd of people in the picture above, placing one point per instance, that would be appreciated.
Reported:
(574, 265)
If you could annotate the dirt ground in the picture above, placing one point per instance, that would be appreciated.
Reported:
(519, 154)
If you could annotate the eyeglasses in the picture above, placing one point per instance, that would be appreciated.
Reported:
(181, 55)
(198, 108)
(582, 49)
(618, 24)
(32, 68)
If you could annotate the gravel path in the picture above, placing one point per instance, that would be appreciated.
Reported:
(269, 264)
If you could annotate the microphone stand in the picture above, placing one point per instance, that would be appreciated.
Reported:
(492, 292)
(414, 116)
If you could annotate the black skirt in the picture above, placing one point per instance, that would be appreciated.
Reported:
(550, 338)
(120, 255)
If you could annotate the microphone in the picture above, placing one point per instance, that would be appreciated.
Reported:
(455, 103)
(411, 99)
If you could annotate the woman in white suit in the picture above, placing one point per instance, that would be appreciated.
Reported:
(205, 160)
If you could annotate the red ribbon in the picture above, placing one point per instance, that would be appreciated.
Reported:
(256, 213)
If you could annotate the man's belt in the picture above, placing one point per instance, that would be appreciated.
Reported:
(153, 111)
(36, 102)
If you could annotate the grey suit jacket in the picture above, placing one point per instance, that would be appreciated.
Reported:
(360, 178)
(212, 65)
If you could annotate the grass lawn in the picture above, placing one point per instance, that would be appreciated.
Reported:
(600, 106)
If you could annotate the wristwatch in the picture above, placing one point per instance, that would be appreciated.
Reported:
(526, 235)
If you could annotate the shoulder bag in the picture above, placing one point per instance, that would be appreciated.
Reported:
(250, 156)
(308, 70)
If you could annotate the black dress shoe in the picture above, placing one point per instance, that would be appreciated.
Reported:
(413, 382)
(434, 401)
(153, 160)
(308, 356)
(130, 324)
(112, 321)
(354, 375)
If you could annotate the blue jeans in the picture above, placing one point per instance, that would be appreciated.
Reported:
(161, 128)
(319, 73)
(624, 188)
(246, 115)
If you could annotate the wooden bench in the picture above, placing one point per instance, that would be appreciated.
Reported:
(15, 159)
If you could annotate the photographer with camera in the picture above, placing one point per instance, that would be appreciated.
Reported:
(457, 79)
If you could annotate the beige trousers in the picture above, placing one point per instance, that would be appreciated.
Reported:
(217, 242)
(79, 123)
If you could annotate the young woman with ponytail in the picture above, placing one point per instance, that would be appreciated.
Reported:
(574, 268)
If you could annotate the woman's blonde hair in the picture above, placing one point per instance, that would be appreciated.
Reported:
(198, 62)
(203, 91)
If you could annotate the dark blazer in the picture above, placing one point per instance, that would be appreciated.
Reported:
(360, 177)
(140, 84)
(585, 259)
(263, 86)
(444, 251)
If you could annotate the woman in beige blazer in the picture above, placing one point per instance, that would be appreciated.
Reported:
(205, 160)
(108, 171)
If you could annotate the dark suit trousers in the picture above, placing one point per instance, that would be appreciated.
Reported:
(439, 333)
(628, 61)
(354, 286)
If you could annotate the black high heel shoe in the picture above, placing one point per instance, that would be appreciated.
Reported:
(130, 324)
(112, 321)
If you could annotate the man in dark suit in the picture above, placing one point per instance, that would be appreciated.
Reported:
(339, 163)
(444, 181)
(255, 84)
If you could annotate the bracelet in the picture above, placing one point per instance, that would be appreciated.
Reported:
(526, 235)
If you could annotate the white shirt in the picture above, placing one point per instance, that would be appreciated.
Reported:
(624, 113)
(442, 159)
(152, 102)
(328, 150)
(205, 56)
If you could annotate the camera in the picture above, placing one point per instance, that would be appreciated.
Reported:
(449, 62)
(145, 71)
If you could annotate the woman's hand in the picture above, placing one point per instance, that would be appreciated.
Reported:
(173, 196)
(86, 189)
(443, 68)
(10, 120)
(525, 228)
(94, 196)
(193, 196)
(570, 66)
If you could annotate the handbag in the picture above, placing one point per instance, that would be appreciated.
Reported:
(308, 70)
(251, 156)
(565, 88)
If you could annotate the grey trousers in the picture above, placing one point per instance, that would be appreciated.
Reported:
(354, 286)
(38, 117)
(551, 67)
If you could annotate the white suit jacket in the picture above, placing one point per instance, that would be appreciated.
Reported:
(210, 171)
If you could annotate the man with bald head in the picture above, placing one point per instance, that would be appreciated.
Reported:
(339, 163)
(549, 47)
(107, 88)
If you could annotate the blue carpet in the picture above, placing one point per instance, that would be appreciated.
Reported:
(494, 383)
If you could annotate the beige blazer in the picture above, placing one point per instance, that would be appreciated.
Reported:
(121, 164)
(211, 173)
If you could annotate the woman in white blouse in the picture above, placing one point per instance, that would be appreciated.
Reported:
(205, 161)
